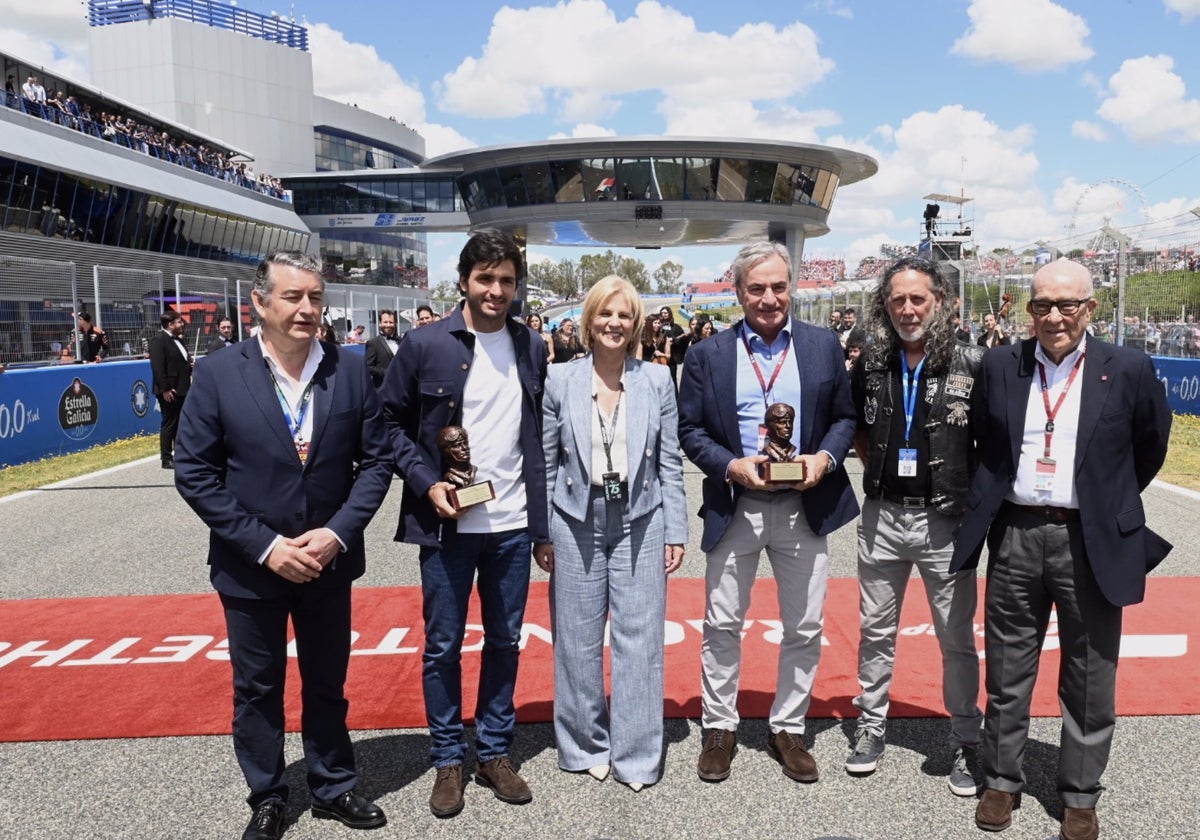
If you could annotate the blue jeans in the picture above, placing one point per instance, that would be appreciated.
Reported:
(502, 562)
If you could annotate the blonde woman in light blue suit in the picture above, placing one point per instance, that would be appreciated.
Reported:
(618, 526)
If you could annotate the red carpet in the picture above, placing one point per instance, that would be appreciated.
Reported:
(155, 665)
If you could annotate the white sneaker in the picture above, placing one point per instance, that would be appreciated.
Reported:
(599, 772)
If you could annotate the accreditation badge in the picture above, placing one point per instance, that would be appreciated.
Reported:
(906, 467)
(1043, 474)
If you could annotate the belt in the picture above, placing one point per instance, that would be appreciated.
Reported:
(911, 502)
(1047, 512)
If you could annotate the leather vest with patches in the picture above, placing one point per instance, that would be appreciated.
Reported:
(952, 457)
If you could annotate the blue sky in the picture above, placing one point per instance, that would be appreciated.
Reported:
(1053, 115)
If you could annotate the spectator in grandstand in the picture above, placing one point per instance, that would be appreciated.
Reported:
(224, 337)
(534, 321)
(93, 343)
(247, 479)
(993, 334)
(65, 356)
(618, 527)
(171, 366)
(424, 315)
(917, 433)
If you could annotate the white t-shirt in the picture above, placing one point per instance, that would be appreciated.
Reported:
(492, 401)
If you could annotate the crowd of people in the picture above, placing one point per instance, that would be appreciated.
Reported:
(566, 449)
(32, 98)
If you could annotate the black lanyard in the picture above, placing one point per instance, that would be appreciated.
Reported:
(608, 433)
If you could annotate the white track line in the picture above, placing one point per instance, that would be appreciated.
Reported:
(69, 481)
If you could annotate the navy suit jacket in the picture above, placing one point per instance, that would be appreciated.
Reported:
(1124, 425)
(236, 465)
(423, 393)
(709, 433)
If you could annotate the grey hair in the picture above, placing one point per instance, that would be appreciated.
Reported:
(755, 253)
(883, 342)
(264, 283)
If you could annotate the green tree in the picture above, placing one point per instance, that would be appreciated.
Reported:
(667, 277)
(568, 279)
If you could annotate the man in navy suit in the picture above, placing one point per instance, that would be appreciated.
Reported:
(728, 383)
(1074, 430)
(479, 369)
(283, 453)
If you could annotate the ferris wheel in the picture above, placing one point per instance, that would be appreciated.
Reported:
(1114, 207)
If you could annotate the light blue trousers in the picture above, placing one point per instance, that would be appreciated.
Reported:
(607, 567)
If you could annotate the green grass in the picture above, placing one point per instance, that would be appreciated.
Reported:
(49, 470)
(1182, 466)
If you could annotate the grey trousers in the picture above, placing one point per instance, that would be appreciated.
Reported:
(773, 522)
(891, 541)
(1034, 566)
(609, 570)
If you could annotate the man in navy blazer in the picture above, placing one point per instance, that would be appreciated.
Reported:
(1075, 429)
(283, 452)
(726, 386)
(479, 369)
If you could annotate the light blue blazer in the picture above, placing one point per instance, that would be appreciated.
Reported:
(651, 419)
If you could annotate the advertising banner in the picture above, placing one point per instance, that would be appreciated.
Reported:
(68, 408)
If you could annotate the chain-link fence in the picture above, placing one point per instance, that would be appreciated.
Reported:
(40, 301)
(37, 299)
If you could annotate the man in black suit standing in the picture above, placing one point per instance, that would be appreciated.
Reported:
(382, 348)
(284, 455)
(224, 337)
(171, 366)
(1074, 430)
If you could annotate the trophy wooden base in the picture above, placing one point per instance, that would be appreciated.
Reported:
(474, 494)
(784, 472)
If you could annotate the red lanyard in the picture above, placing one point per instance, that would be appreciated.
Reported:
(1052, 413)
(766, 386)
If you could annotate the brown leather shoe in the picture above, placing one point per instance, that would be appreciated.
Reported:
(447, 797)
(499, 775)
(720, 746)
(994, 811)
(1080, 824)
(789, 749)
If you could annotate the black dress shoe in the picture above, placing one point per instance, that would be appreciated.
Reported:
(351, 810)
(267, 822)
(168, 463)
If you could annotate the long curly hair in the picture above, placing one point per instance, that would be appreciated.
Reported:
(883, 342)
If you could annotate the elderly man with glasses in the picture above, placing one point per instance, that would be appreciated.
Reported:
(1075, 429)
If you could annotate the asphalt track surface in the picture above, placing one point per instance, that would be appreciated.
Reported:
(127, 532)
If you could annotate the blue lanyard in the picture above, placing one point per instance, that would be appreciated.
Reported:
(295, 423)
(911, 391)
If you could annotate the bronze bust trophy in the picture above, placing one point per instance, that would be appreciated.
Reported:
(456, 455)
(779, 421)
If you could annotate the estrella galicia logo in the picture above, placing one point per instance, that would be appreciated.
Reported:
(140, 398)
(78, 410)
(385, 220)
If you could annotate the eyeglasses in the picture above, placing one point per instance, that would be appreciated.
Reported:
(1066, 308)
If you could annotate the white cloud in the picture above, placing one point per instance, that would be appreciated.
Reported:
(830, 7)
(583, 130)
(925, 154)
(1088, 131)
(1187, 9)
(351, 72)
(1148, 101)
(1031, 35)
(49, 33)
(576, 59)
